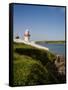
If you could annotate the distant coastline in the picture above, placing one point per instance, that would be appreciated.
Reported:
(53, 42)
(57, 47)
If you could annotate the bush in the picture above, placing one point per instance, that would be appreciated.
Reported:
(32, 66)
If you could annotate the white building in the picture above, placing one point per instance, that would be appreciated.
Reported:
(27, 36)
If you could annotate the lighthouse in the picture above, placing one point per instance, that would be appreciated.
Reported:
(27, 36)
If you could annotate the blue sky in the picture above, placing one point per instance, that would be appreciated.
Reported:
(43, 22)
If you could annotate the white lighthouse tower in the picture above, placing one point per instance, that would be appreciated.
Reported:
(27, 36)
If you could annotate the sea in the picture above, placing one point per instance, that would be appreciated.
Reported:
(58, 49)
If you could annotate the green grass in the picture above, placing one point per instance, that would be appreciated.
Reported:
(32, 66)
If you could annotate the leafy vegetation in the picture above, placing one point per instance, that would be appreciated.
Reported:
(32, 66)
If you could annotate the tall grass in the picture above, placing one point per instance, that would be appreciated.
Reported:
(32, 66)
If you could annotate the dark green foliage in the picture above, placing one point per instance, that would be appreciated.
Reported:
(17, 37)
(32, 66)
(41, 55)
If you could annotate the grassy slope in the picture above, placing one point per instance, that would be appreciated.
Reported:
(32, 66)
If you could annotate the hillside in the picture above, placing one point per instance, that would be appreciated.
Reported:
(32, 66)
